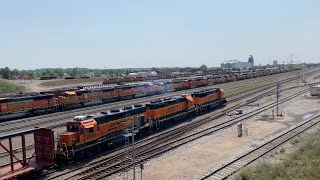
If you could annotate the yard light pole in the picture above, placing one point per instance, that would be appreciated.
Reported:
(133, 153)
(278, 95)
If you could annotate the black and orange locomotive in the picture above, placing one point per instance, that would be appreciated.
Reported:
(100, 131)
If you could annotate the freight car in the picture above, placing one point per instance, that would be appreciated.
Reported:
(78, 96)
(121, 80)
(98, 132)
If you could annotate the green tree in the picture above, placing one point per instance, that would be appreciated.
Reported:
(97, 73)
(46, 72)
(6, 73)
(203, 68)
(15, 71)
(36, 74)
(75, 72)
(59, 72)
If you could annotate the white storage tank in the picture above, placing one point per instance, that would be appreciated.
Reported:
(315, 90)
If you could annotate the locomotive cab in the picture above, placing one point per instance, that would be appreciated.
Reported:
(3, 105)
(78, 132)
(71, 136)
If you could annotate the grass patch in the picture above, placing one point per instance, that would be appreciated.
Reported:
(271, 155)
(8, 87)
(303, 164)
(282, 150)
(294, 141)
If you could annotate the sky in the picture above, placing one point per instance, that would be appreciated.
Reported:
(171, 33)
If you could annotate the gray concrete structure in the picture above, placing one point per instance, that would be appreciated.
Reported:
(230, 64)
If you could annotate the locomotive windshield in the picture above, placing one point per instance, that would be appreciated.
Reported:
(73, 128)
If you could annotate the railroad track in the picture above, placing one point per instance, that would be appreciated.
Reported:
(233, 166)
(228, 87)
(18, 150)
(108, 168)
(58, 119)
(32, 146)
(117, 163)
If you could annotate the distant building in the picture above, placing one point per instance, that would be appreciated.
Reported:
(251, 60)
(275, 62)
(180, 73)
(198, 72)
(230, 64)
(148, 73)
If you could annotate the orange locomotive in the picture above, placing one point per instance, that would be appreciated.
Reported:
(88, 134)
(30, 103)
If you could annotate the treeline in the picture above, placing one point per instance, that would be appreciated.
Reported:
(7, 73)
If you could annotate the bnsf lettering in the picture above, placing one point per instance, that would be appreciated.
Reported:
(115, 124)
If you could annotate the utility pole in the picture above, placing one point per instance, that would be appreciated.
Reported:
(278, 96)
(133, 152)
(303, 73)
(130, 132)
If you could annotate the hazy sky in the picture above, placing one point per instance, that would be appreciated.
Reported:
(119, 33)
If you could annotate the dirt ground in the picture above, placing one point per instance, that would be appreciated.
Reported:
(191, 162)
(41, 85)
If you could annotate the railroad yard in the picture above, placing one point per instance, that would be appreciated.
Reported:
(201, 147)
(197, 159)
(159, 90)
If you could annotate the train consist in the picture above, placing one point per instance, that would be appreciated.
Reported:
(128, 79)
(58, 100)
(91, 133)
(119, 80)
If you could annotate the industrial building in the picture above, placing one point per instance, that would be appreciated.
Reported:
(230, 64)
(275, 62)
(140, 74)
